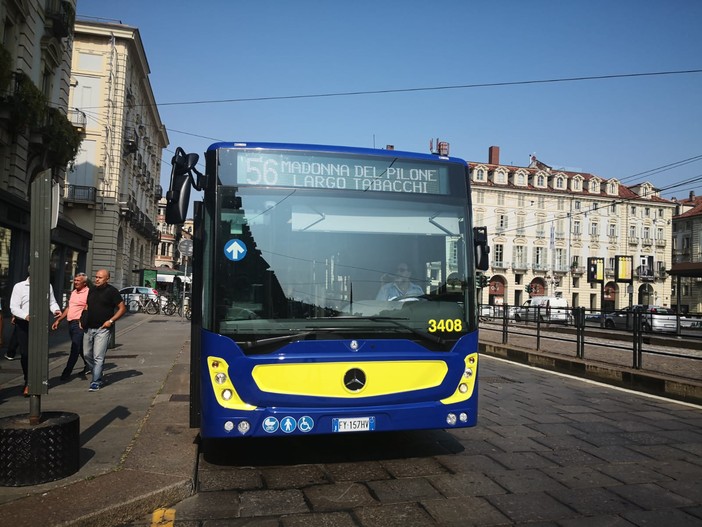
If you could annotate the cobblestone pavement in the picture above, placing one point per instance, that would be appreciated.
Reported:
(548, 449)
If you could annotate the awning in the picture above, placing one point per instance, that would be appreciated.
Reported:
(168, 278)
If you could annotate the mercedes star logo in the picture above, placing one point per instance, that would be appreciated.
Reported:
(354, 380)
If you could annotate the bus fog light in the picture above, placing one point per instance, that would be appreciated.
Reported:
(226, 394)
(220, 378)
(471, 360)
(463, 417)
(463, 388)
(243, 427)
(451, 419)
(229, 426)
(468, 373)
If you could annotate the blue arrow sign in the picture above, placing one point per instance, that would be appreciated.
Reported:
(235, 250)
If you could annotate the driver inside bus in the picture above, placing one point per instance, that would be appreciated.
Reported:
(400, 285)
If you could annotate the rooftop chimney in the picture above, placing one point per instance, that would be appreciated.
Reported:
(692, 195)
(494, 155)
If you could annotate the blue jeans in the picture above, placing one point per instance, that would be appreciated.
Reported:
(77, 334)
(95, 342)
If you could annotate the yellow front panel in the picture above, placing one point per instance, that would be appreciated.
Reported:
(327, 379)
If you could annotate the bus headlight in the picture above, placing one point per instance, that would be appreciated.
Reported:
(463, 417)
(463, 387)
(451, 419)
(468, 373)
(229, 426)
(220, 378)
(226, 394)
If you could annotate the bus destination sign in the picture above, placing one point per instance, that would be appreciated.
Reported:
(375, 174)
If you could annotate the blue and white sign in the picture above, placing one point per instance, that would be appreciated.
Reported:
(235, 250)
(270, 425)
(288, 424)
(305, 423)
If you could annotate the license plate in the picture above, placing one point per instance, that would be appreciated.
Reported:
(353, 424)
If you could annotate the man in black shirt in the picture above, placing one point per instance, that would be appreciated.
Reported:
(104, 306)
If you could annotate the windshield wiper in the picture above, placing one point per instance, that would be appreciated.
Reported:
(396, 321)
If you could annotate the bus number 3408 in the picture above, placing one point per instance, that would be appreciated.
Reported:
(448, 325)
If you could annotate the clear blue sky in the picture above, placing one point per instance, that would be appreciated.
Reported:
(213, 50)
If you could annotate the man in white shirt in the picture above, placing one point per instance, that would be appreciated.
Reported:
(19, 307)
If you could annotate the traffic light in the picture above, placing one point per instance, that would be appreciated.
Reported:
(481, 281)
(529, 288)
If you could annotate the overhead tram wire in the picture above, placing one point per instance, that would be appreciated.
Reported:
(619, 201)
(429, 88)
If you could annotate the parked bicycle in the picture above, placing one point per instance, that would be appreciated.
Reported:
(146, 305)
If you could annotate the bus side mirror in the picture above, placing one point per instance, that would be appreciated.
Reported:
(480, 241)
(178, 195)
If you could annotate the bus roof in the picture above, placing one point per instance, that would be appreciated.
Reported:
(336, 149)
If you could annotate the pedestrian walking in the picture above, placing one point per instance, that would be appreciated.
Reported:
(13, 344)
(19, 306)
(104, 306)
(76, 305)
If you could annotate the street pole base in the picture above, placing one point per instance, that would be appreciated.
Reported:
(34, 454)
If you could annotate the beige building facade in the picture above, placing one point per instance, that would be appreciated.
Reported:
(545, 223)
(113, 189)
(687, 254)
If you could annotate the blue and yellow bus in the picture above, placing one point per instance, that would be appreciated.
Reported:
(333, 290)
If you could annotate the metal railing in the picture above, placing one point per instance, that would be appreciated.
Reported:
(600, 335)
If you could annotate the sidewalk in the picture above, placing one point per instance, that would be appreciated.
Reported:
(137, 451)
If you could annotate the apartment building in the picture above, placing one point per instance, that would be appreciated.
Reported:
(544, 223)
(37, 134)
(687, 255)
(113, 188)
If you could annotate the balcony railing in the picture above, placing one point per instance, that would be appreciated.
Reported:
(78, 119)
(520, 266)
(80, 194)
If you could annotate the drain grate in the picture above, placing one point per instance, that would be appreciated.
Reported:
(113, 356)
(156, 321)
(179, 398)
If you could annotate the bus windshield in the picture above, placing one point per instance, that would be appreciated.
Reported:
(340, 262)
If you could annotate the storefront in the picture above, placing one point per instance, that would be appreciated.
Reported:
(69, 249)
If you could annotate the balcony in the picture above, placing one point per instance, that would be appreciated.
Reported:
(79, 194)
(647, 241)
(660, 243)
(499, 264)
(520, 266)
(131, 141)
(60, 18)
(633, 240)
(78, 119)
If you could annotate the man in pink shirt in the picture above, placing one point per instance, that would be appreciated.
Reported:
(76, 305)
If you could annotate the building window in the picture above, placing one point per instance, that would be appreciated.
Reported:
(632, 231)
(502, 222)
(499, 255)
(576, 205)
(612, 230)
(576, 184)
(559, 183)
(540, 181)
(520, 179)
(479, 196)
(539, 258)
(500, 198)
(480, 175)
(594, 228)
(576, 227)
